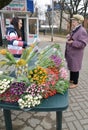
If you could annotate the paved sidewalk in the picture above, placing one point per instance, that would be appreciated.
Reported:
(74, 118)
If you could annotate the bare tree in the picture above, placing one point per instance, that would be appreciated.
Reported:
(73, 7)
(76, 6)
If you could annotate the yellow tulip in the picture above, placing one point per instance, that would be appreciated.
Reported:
(3, 51)
(30, 72)
(21, 62)
(29, 76)
(35, 71)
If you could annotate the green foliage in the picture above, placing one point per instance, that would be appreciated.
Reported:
(61, 86)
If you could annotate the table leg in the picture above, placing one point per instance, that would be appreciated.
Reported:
(59, 120)
(7, 116)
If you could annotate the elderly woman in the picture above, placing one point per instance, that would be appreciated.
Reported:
(76, 42)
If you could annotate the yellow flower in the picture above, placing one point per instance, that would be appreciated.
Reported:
(41, 72)
(38, 75)
(21, 62)
(37, 78)
(3, 51)
(35, 71)
(18, 72)
(30, 72)
(35, 75)
(29, 76)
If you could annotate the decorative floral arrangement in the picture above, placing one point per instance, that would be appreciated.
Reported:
(38, 74)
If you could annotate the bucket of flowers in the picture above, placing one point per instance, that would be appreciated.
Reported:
(38, 75)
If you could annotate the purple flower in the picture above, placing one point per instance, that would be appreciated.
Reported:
(56, 59)
(18, 88)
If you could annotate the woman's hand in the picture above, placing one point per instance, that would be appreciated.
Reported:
(68, 36)
(70, 41)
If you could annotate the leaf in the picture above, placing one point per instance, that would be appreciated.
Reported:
(22, 78)
(3, 62)
(10, 57)
(6, 77)
(61, 86)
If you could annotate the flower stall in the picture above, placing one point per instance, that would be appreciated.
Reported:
(38, 74)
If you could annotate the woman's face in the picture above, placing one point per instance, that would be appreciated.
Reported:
(20, 24)
(74, 23)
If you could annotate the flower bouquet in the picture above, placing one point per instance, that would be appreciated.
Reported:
(38, 75)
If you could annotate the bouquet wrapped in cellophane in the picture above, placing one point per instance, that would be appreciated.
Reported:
(39, 73)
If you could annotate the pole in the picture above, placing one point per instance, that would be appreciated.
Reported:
(61, 13)
(52, 21)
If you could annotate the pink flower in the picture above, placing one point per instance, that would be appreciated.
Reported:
(63, 73)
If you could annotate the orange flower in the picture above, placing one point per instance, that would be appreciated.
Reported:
(3, 51)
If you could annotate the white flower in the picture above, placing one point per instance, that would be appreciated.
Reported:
(35, 98)
(29, 101)
(22, 106)
(20, 100)
(8, 81)
(40, 97)
(1, 72)
(4, 80)
(38, 102)
(4, 85)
